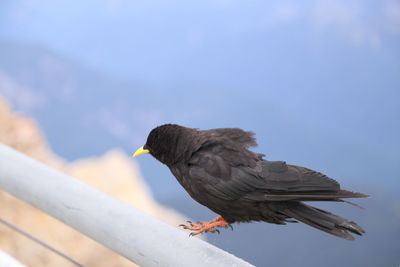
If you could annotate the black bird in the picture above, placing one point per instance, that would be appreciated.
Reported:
(219, 171)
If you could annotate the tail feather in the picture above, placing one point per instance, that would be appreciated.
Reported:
(314, 196)
(322, 220)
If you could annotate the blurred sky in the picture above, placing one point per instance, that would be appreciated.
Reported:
(318, 81)
(288, 69)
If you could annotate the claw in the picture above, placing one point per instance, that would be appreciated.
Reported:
(206, 227)
(212, 230)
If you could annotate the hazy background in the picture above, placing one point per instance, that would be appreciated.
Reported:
(317, 81)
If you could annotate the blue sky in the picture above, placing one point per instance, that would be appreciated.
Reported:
(324, 68)
(153, 40)
(316, 61)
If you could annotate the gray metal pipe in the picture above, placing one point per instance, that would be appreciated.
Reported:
(132, 233)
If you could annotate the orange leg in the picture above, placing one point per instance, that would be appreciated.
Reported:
(200, 227)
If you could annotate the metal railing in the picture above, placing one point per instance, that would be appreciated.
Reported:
(132, 233)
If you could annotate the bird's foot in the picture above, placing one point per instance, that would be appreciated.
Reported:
(200, 227)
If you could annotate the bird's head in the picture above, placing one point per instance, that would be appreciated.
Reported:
(169, 143)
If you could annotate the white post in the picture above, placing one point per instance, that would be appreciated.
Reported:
(132, 233)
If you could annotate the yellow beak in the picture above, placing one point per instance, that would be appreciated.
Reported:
(140, 151)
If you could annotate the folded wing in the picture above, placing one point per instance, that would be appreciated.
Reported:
(261, 180)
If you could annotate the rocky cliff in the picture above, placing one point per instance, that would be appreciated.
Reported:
(114, 173)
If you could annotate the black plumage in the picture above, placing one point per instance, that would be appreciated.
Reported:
(219, 171)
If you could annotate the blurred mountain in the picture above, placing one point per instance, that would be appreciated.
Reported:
(85, 112)
(126, 184)
(37, 80)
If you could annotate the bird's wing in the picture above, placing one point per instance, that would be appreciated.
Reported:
(229, 174)
(289, 182)
(280, 176)
(212, 169)
(237, 135)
